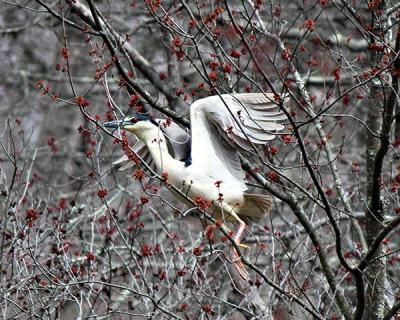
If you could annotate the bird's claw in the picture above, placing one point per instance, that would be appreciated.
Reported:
(239, 266)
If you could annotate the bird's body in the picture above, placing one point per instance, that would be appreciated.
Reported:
(194, 180)
(219, 126)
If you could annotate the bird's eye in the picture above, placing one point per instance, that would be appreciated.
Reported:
(133, 120)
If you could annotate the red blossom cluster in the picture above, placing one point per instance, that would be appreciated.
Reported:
(217, 32)
(164, 176)
(374, 4)
(207, 308)
(41, 85)
(146, 250)
(286, 54)
(162, 275)
(109, 115)
(273, 176)
(85, 132)
(138, 174)
(167, 122)
(309, 24)
(202, 203)
(62, 204)
(90, 256)
(51, 142)
(182, 307)
(277, 10)
(192, 23)
(74, 269)
(177, 42)
(144, 200)
(101, 71)
(273, 150)
(181, 272)
(197, 251)
(218, 223)
(347, 254)
(81, 101)
(336, 73)
(287, 139)
(376, 47)
(59, 67)
(134, 215)
(313, 62)
(64, 53)
(226, 68)
(235, 54)
(213, 65)
(346, 99)
(153, 4)
(258, 4)
(129, 153)
(355, 166)
(31, 216)
(133, 100)
(102, 193)
(180, 54)
(212, 16)
(209, 232)
(213, 76)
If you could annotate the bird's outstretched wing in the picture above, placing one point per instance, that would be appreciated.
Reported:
(178, 142)
(220, 124)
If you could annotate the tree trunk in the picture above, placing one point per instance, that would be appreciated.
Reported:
(379, 122)
(376, 273)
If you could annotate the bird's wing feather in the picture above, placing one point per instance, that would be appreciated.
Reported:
(212, 156)
(238, 120)
(220, 124)
(252, 117)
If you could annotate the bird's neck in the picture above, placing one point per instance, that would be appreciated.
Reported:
(156, 142)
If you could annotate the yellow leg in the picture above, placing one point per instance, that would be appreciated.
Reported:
(236, 258)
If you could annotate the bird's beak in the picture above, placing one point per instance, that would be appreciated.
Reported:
(117, 124)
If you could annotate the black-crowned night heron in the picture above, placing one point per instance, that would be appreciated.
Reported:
(209, 166)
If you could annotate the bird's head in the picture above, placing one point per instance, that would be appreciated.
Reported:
(139, 125)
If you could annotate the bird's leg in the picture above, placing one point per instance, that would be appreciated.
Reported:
(236, 257)
(238, 235)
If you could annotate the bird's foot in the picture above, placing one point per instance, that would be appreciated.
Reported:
(239, 266)
(243, 246)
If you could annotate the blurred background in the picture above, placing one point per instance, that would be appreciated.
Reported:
(82, 239)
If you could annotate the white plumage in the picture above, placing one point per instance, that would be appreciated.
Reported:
(220, 125)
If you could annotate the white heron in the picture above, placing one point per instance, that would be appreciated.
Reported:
(208, 165)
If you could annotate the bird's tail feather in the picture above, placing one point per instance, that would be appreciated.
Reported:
(255, 206)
